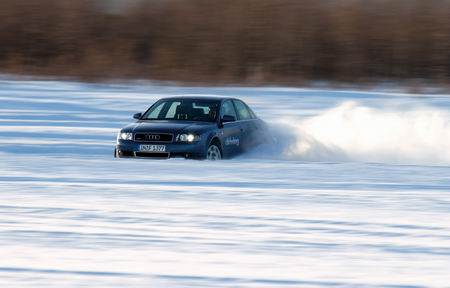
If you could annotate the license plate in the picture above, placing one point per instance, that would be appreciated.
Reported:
(152, 148)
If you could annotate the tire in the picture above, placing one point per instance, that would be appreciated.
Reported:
(116, 153)
(214, 153)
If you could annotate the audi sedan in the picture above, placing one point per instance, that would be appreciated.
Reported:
(201, 127)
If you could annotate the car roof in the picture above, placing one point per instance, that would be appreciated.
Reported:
(199, 97)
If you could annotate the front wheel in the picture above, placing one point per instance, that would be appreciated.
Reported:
(213, 152)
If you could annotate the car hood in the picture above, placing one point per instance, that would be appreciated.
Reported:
(168, 126)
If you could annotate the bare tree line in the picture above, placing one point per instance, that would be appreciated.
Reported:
(229, 40)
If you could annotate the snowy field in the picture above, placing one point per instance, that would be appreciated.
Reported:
(357, 193)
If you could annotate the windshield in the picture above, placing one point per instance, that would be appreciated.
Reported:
(183, 110)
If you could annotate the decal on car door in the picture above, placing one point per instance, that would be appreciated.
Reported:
(232, 141)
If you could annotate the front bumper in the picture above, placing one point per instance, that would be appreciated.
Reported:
(130, 149)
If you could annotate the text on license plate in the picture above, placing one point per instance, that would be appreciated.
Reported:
(152, 148)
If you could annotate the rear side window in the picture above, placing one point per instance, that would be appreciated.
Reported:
(242, 110)
(252, 114)
(228, 109)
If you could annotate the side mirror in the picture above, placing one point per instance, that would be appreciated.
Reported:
(137, 116)
(228, 118)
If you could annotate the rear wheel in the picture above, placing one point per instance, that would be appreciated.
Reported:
(214, 152)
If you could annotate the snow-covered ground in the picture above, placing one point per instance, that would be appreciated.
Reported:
(358, 195)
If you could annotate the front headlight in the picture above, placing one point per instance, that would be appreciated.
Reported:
(125, 136)
(187, 138)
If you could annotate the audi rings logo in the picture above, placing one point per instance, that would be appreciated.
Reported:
(152, 137)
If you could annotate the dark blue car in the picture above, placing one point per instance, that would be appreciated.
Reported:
(192, 127)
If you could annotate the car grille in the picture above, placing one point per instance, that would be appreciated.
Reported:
(154, 137)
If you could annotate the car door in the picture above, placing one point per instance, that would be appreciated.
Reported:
(251, 126)
(231, 132)
(245, 124)
(257, 129)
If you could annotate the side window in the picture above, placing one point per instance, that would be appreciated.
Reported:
(242, 110)
(154, 114)
(228, 109)
(252, 114)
